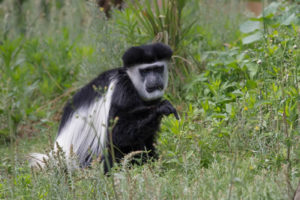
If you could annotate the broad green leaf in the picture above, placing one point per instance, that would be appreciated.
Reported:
(252, 38)
(271, 9)
(252, 68)
(292, 18)
(237, 93)
(251, 84)
(249, 26)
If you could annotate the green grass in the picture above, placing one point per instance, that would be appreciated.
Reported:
(234, 81)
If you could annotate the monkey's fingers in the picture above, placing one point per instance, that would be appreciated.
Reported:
(176, 115)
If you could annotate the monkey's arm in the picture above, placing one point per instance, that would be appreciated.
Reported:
(138, 124)
(166, 108)
(135, 126)
(163, 108)
(127, 131)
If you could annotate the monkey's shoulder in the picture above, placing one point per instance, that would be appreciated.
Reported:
(87, 94)
(95, 88)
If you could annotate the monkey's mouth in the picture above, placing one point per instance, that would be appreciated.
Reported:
(154, 88)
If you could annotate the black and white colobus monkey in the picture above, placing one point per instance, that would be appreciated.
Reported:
(132, 94)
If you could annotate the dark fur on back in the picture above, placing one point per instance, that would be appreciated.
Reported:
(146, 54)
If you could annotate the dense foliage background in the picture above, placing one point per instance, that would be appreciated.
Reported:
(235, 80)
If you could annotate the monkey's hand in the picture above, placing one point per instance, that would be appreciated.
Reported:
(166, 108)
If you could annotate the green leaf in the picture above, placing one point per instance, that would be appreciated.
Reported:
(262, 102)
(251, 84)
(249, 26)
(228, 108)
(252, 38)
(292, 18)
(237, 93)
(252, 68)
(219, 115)
(271, 9)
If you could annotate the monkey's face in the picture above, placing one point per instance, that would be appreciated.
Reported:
(150, 80)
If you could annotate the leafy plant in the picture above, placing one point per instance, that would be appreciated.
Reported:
(239, 109)
(160, 21)
(256, 84)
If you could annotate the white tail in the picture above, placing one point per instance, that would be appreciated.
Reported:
(84, 133)
(37, 160)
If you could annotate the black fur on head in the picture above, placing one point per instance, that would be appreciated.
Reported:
(146, 54)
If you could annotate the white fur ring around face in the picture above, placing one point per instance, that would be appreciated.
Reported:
(140, 85)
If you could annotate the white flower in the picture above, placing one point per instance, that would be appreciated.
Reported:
(259, 61)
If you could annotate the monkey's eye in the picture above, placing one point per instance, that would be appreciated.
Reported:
(159, 69)
(143, 72)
